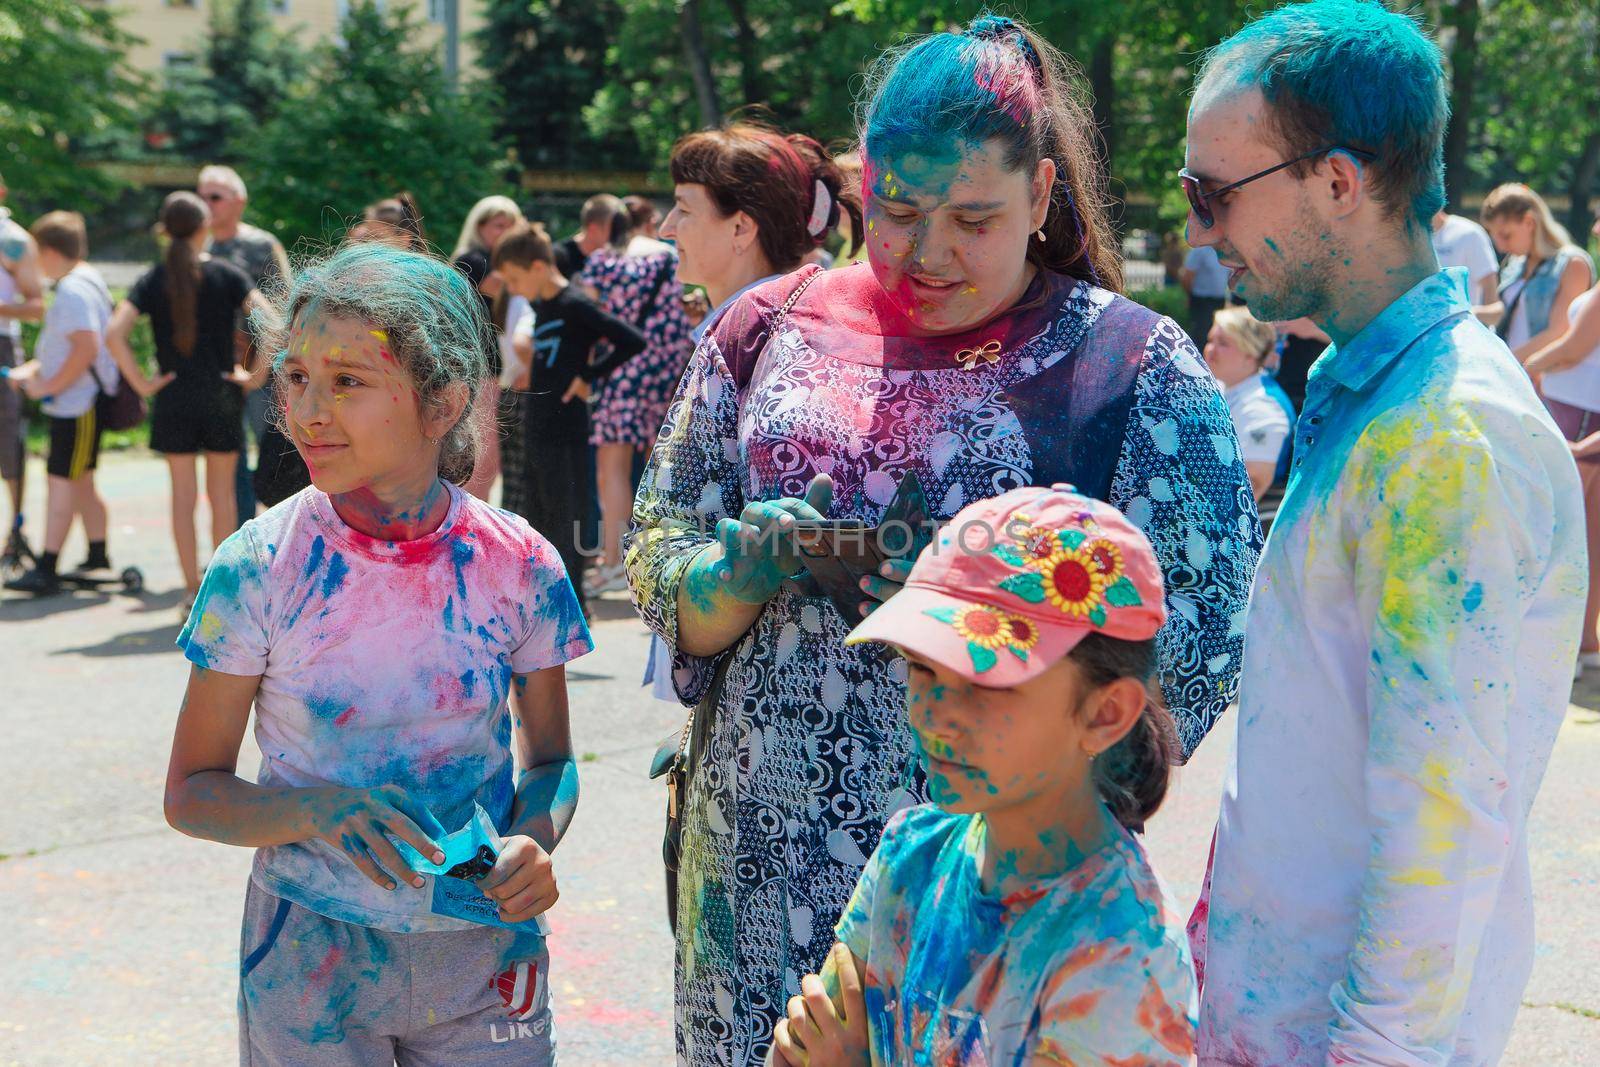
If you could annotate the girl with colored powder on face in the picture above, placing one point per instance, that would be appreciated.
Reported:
(983, 348)
(402, 644)
(1015, 919)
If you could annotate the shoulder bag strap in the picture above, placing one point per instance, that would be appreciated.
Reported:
(698, 725)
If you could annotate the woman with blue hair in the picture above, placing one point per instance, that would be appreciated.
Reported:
(984, 348)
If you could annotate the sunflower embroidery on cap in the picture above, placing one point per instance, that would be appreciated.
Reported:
(987, 629)
(1079, 574)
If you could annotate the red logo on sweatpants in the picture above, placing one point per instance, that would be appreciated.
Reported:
(521, 989)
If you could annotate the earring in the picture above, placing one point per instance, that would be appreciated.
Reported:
(1039, 233)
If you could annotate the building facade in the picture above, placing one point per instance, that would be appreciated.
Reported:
(171, 31)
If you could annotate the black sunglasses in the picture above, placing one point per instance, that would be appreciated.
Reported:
(214, 197)
(1198, 199)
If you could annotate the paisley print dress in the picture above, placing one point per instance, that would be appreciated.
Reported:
(645, 291)
(809, 754)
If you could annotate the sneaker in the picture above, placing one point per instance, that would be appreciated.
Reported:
(36, 582)
(93, 563)
(612, 578)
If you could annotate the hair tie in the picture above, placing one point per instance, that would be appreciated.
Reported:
(1000, 29)
(821, 208)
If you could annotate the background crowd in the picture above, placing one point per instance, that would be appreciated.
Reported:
(618, 262)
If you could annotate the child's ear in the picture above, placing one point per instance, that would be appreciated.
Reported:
(1112, 711)
(441, 416)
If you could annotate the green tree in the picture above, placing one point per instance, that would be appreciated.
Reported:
(547, 60)
(373, 116)
(799, 61)
(1538, 114)
(803, 61)
(245, 70)
(62, 91)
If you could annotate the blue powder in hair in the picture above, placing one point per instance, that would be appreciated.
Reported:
(1372, 78)
(955, 89)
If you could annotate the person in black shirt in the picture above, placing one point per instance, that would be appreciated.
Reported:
(559, 497)
(595, 230)
(194, 301)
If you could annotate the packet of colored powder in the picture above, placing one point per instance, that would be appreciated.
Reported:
(469, 855)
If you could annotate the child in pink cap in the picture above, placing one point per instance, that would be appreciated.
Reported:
(1015, 919)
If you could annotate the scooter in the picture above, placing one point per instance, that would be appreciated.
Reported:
(18, 558)
(130, 581)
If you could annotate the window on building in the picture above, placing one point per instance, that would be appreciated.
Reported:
(279, 7)
(180, 3)
(173, 60)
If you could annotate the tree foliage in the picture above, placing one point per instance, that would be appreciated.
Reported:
(374, 115)
(1537, 110)
(611, 84)
(245, 70)
(547, 59)
(804, 61)
(62, 95)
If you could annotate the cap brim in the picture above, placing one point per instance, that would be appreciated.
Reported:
(903, 621)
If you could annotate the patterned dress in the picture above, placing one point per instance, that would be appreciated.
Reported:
(809, 754)
(642, 290)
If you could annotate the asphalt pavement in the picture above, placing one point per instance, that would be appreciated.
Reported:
(119, 937)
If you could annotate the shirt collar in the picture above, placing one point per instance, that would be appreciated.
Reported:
(1431, 301)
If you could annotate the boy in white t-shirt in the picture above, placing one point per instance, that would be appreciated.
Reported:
(67, 359)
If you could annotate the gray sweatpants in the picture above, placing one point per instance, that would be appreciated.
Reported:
(317, 992)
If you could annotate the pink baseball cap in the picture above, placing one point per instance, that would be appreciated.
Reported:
(1013, 583)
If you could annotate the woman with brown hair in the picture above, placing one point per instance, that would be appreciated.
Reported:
(193, 300)
(984, 348)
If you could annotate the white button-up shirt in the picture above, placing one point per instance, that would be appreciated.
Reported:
(1408, 661)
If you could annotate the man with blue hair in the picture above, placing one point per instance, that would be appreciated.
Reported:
(1415, 617)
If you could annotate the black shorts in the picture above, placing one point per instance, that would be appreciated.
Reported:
(189, 419)
(74, 445)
